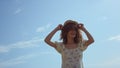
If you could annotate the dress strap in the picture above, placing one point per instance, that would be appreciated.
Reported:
(63, 46)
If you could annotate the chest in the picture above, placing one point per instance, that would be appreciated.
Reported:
(72, 53)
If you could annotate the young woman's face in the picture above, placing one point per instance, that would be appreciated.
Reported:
(71, 34)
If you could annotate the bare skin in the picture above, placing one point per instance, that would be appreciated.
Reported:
(71, 34)
(50, 35)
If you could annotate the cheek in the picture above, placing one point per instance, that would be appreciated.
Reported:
(72, 33)
(68, 33)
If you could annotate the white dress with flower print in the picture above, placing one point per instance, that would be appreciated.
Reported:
(71, 58)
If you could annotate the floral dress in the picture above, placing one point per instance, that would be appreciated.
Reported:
(71, 58)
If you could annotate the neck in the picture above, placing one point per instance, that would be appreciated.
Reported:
(70, 41)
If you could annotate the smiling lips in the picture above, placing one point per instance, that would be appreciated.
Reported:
(73, 34)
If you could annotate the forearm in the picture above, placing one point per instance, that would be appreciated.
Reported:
(50, 35)
(89, 36)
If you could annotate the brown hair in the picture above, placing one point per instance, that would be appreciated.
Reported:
(70, 25)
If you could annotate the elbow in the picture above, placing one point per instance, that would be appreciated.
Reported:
(45, 40)
(92, 41)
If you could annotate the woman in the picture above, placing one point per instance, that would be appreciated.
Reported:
(72, 46)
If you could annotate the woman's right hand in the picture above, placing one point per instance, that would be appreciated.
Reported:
(59, 27)
(80, 25)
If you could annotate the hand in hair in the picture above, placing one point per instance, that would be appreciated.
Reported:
(59, 27)
(80, 25)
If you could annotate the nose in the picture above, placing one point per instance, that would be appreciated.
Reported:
(73, 32)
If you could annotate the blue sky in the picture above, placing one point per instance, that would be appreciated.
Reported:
(25, 23)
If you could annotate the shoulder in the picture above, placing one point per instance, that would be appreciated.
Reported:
(59, 46)
(82, 45)
(58, 43)
(82, 42)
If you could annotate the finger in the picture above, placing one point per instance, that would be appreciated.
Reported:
(81, 25)
(60, 26)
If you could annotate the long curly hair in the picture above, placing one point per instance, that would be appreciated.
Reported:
(70, 25)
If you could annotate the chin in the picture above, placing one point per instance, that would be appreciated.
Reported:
(73, 36)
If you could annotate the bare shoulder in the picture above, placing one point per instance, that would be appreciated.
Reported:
(86, 42)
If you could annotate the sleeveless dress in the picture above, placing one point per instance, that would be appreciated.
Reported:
(71, 58)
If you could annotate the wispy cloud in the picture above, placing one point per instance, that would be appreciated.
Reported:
(17, 1)
(117, 38)
(43, 28)
(17, 11)
(21, 44)
(23, 59)
(25, 44)
(16, 61)
(46, 53)
(110, 63)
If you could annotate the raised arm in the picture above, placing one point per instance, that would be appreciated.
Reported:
(89, 36)
(51, 34)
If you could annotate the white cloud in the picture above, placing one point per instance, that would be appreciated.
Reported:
(16, 61)
(4, 49)
(18, 11)
(21, 44)
(23, 59)
(110, 63)
(40, 29)
(17, 1)
(24, 44)
(46, 53)
(115, 38)
(43, 28)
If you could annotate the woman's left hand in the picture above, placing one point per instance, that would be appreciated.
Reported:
(81, 27)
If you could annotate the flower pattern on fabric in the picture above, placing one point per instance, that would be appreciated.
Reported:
(71, 58)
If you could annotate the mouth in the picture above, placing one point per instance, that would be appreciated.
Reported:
(73, 34)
